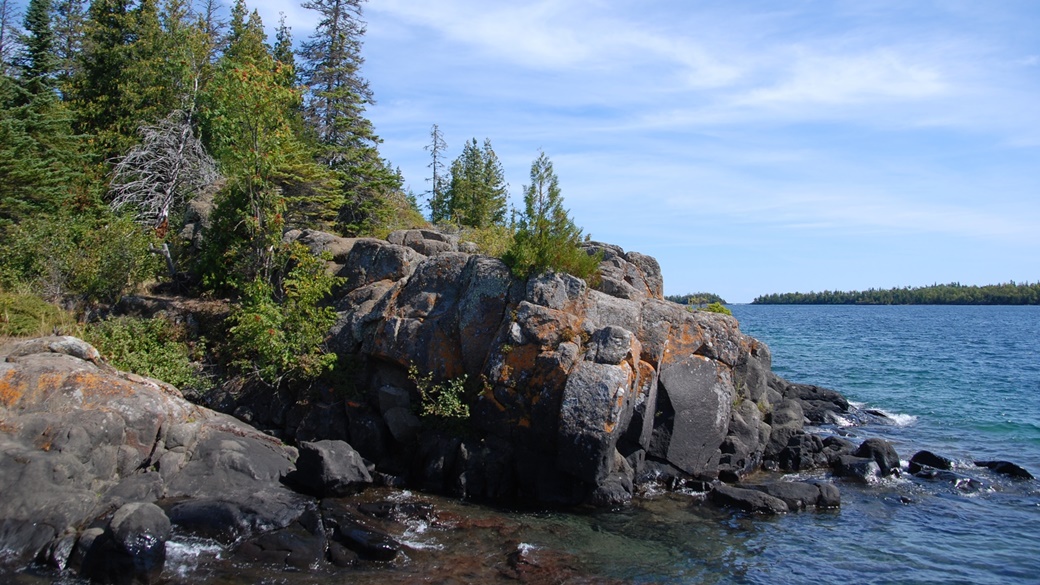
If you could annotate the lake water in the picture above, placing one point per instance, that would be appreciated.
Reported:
(963, 382)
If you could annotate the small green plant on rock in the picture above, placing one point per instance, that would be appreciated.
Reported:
(717, 308)
(443, 404)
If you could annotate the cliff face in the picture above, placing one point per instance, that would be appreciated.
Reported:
(579, 391)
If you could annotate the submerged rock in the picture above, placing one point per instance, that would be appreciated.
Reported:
(1005, 468)
(927, 459)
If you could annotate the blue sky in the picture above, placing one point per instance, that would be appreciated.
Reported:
(751, 147)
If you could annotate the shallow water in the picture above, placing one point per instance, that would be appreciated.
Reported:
(963, 382)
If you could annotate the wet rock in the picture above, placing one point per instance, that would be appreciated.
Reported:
(132, 549)
(1005, 468)
(819, 404)
(301, 545)
(238, 515)
(927, 459)
(801, 495)
(348, 530)
(748, 500)
(882, 452)
(861, 469)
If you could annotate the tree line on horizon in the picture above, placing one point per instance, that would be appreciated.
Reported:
(1010, 293)
(116, 114)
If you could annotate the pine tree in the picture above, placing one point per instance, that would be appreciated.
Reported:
(335, 112)
(546, 237)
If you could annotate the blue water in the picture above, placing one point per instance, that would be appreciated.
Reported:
(967, 380)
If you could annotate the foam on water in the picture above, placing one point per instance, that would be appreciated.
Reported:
(185, 553)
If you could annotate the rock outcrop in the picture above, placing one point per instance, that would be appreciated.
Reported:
(97, 466)
(576, 392)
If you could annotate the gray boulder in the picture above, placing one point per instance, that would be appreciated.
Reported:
(329, 469)
(748, 500)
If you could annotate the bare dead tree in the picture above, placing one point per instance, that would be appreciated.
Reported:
(168, 168)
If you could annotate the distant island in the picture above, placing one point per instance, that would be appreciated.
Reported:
(696, 299)
(937, 294)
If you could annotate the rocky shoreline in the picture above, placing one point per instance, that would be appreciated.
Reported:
(578, 396)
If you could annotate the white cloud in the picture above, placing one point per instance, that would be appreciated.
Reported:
(881, 75)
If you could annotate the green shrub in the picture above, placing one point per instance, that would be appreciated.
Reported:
(442, 404)
(492, 240)
(26, 315)
(278, 333)
(155, 347)
(94, 259)
(717, 308)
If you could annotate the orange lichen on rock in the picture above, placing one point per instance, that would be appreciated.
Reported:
(12, 388)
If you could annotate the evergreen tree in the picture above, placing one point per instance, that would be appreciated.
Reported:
(37, 60)
(40, 158)
(69, 26)
(476, 195)
(546, 237)
(100, 93)
(335, 112)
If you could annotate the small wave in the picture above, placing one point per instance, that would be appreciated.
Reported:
(896, 418)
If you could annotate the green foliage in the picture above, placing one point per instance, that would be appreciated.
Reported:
(939, 294)
(27, 315)
(493, 240)
(41, 165)
(476, 191)
(93, 259)
(272, 181)
(546, 237)
(441, 404)
(701, 298)
(717, 308)
(155, 347)
(277, 333)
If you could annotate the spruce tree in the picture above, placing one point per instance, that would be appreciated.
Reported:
(546, 237)
(69, 26)
(335, 113)
(40, 158)
(476, 192)
(102, 103)
(37, 60)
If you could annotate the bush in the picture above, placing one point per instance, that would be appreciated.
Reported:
(278, 332)
(717, 308)
(155, 347)
(492, 240)
(94, 259)
(442, 404)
